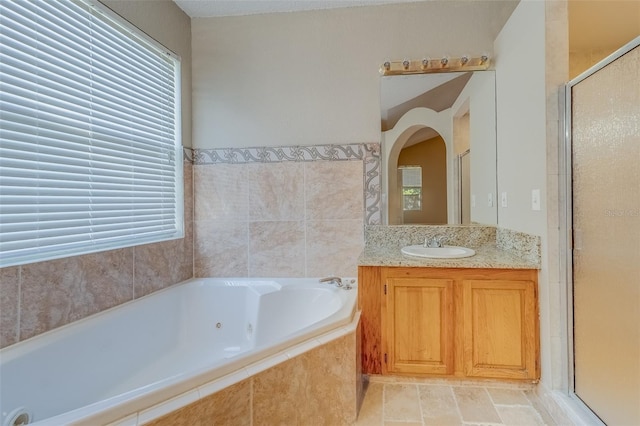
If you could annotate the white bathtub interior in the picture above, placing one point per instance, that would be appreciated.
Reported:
(192, 331)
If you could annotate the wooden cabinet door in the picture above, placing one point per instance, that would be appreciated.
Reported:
(500, 329)
(418, 326)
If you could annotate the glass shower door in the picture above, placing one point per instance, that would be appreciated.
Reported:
(605, 121)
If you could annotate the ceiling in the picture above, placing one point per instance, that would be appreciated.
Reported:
(593, 23)
(399, 94)
(218, 8)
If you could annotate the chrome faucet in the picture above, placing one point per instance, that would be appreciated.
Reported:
(338, 282)
(435, 241)
(332, 280)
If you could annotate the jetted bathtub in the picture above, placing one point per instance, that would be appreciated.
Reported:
(147, 351)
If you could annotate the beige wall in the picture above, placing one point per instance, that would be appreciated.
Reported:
(581, 61)
(522, 161)
(532, 65)
(598, 28)
(38, 297)
(312, 78)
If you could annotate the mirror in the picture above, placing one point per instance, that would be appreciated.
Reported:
(438, 148)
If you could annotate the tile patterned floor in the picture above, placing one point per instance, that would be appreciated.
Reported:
(391, 401)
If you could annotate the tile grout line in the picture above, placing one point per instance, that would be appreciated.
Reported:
(529, 405)
(513, 405)
(18, 329)
(420, 404)
(493, 404)
(418, 386)
(455, 400)
(384, 395)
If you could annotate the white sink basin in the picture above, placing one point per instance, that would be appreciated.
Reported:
(444, 252)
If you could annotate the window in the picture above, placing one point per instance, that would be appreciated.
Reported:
(90, 150)
(411, 187)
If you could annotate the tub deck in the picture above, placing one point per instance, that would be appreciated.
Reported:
(139, 354)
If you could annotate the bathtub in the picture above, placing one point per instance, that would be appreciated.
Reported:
(156, 348)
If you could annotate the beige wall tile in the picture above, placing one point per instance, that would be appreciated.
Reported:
(9, 299)
(289, 381)
(276, 191)
(58, 292)
(371, 409)
(334, 190)
(221, 249)
(221, 192)
(229, 407)
(333, 247)
(333, 378)
(160, 265)
(310, 389)
(188, 192)
(276, 249)
(268, 195)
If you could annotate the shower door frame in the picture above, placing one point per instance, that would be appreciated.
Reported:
(566, 223)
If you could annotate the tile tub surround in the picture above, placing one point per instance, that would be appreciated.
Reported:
(320, 386)
(285, 212)
(516, 251)
(39, 297)
(367, 153)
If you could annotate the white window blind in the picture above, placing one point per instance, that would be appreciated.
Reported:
(90, 150)
(411, 176)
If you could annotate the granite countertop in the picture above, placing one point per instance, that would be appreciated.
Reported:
(487, 256)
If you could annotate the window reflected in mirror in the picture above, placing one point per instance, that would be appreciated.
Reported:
(411, 187)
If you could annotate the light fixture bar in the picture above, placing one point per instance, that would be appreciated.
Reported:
(430, 65)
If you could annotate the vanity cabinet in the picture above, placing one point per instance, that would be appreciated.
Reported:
(417, 325)
(500, 328)
(449, 322)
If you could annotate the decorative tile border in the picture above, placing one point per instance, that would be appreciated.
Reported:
(279, 154)
(368, 153)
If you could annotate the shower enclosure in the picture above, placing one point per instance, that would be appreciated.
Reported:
(603, 259)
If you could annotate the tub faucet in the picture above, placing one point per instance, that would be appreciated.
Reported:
(434, 242)
(332, 280)
(338, 282)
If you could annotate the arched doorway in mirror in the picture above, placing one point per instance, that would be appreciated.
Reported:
(422, 178)
(422, 137)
